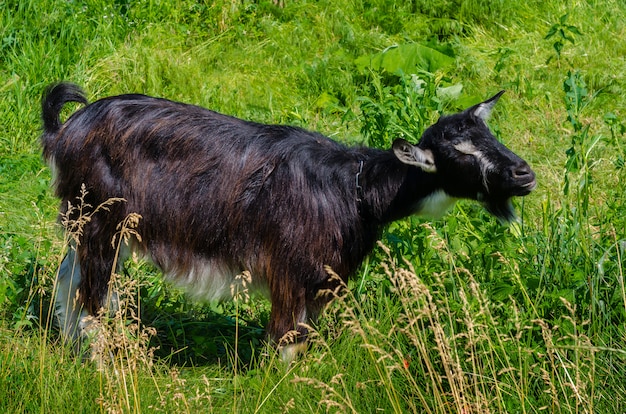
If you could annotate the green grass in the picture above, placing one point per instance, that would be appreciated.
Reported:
(457, 315)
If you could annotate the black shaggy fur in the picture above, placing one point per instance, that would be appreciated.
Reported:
(281, 202)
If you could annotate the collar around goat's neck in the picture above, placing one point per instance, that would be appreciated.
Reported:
(357, 182)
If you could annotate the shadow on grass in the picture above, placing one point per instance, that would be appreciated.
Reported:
(193, 339)
(187, 333)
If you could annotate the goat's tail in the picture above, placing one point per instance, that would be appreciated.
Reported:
(54, 98)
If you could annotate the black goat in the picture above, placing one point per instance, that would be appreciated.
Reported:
(219, 196)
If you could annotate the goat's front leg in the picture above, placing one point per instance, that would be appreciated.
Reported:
(287, 325)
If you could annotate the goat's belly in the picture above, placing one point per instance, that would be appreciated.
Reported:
(213, 280)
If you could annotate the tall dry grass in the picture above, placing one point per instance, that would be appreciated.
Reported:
(456, 350)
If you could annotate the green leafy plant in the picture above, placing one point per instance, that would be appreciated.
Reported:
(577, 98)
(617, 129)
(403, 109)
(561, 33)
(407, 58)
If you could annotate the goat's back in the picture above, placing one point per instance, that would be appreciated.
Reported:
(210, 185)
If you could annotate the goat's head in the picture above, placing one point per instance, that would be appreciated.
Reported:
(469, 161)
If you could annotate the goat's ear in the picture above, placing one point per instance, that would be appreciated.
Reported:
(483, 110)
(413, 155)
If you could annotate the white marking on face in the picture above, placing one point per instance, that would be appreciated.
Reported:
(436, 204)
(466, 147)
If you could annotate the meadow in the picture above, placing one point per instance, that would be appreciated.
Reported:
(457, 315)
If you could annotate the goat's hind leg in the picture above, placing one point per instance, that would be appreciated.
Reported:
(71, 313)
(68, 308)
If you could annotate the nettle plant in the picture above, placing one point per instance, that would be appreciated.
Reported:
(561, 33)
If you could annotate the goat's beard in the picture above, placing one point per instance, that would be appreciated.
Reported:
(501, 208)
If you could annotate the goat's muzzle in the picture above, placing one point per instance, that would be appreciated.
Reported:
(523, 179)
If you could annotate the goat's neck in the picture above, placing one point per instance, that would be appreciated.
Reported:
(393, 190)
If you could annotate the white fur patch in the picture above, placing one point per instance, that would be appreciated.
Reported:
(67, 309)
(436, 204)
(69, 313)
(213, 280)
(288, 353)
(466, 147)
(289, 349)
(54, 171)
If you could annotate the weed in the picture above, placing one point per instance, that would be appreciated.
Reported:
(443, 355)
(562, 33)
(403, 109)
(582, 144)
